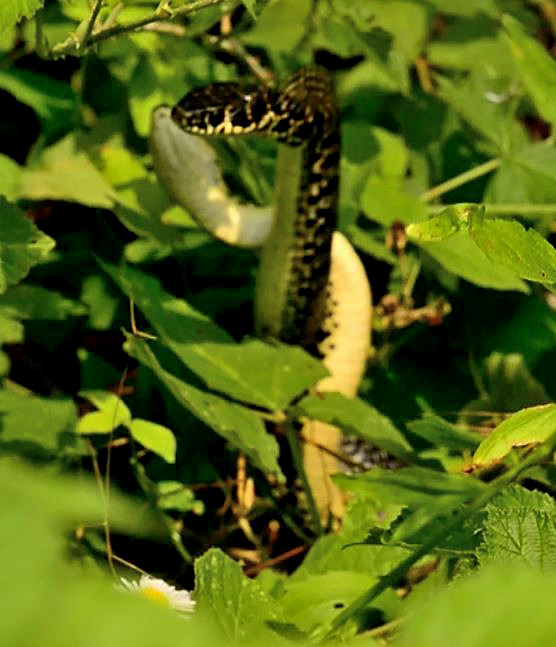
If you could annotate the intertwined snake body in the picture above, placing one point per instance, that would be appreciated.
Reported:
(311, 287)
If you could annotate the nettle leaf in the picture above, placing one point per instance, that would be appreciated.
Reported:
(357, 417)
(112, 412)
(234, 603)
(66, 173)
(233, 422)
(524, 251)
(526, 427)
(35, 425)
(520, 527)
(254, 372)
(22, 245)
(536, 68)
(506, 243)
(157, 438)
(460, 255)
(515, 605)
(12, 11)
(411, 486)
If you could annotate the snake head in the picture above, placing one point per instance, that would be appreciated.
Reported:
(224, 109)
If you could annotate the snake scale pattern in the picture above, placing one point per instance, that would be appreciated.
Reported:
(311, 288)
(301, 114)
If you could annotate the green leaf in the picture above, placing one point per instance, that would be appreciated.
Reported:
(250, 6)
(255, 372)
(112, 412)
(385, 200)
(157, 438)
(280, 25)
(33, 425)
(233, 422)
(411, 486)
(11, 331)
(315, 601)
(520, 528)
(536, 68)
(506, 599)
(493, 120)
(12, 11)
(173, 495)
(525, 251)
(10, 178)
(66, 173)
(34, 302)
(235, 604)
(441, 433)
(532, 425)
(460, 255)
(343, 552)
(355, 417)
(22, 245)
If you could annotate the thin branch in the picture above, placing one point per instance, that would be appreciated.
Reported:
(91, 24)
(77, 45)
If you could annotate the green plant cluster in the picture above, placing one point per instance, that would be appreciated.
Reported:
(120, 427)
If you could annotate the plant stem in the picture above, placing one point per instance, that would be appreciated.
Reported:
(75, 45)
(90, 25)
(490, 491)
(508, 209)
(461, 179)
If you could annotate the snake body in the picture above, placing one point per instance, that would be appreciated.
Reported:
(311, 287)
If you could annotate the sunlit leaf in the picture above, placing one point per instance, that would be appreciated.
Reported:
(157, 438)
(11, 11)
(526, 427)
(112, 412)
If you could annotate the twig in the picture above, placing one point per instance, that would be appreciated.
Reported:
(76, 44)
(91, 24)
(459, 180)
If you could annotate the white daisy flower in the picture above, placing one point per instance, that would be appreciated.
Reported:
(161, 592)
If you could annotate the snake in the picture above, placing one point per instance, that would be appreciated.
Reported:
(311, 288)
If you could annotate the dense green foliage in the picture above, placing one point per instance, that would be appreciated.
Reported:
(119, 450)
